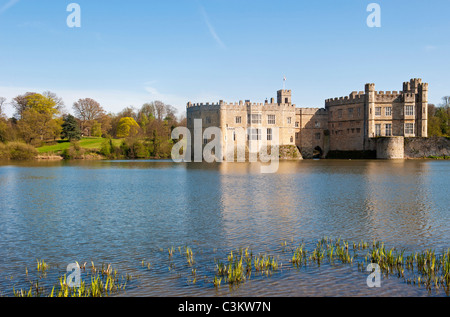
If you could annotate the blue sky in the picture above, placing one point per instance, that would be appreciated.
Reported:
(130, 52)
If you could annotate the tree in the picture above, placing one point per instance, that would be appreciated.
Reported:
(147, 110)
(35, 126)
(127, 127)
(2, 102)
(41, 104)
(439, 118)
(3, 129)
(160, 109)
(96, 129)
(87, 110)
(70, 128)
(57, 100)
(20, 104)
(171, 113)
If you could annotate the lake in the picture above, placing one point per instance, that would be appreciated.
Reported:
(126, 212)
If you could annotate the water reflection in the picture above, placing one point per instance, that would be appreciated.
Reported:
(123, 211)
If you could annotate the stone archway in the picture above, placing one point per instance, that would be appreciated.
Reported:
(317, 152)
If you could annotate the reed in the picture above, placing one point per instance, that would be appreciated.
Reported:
(41, 266)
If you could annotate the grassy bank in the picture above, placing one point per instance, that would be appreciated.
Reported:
(85, 143)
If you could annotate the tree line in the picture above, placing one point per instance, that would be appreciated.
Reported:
(439, 118)
(41, 118)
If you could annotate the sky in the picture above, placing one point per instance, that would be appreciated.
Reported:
(127, 53)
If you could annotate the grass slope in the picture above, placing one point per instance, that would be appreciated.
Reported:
(87, 143)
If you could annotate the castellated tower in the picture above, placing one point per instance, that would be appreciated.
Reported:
(284, 96)
(244, 124)
(369, 121)
(357, 120)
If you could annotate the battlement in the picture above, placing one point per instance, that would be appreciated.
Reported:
(354, 97)
(283, 101)
(221, 105)
(410, 89)
(199, 105)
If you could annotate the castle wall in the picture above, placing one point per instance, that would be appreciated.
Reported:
(312, 131)
(364, 121)
(390, 148)
(427, 147)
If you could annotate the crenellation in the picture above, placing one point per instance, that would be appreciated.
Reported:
(348, 123)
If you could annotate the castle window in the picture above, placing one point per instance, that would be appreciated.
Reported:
(289, 120)
(388, 129)
(350, 112)
(254, 134)
(409, 128)
(286, 100)
(340, 113)
(256, 118)
(358, 130)
(269, 134)
(317, 136)
(377, 129)
(271, 119)
(317, 124)
(297, 135)
(409, 110)
(297, 124)
(234, 135)
(388, 111)
(238, 119)
(359, 112)
(377, 111)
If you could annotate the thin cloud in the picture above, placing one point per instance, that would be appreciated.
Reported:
(211, 28)
(430, 48)
(8, 5)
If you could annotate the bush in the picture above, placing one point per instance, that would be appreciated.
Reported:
(74, 152)
(20, 151)
(4, 154)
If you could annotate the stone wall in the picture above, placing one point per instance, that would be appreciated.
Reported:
(390, 148)
(426, 147)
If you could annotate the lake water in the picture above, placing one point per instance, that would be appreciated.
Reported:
(126, 212)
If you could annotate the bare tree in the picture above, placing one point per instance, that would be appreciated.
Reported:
(128, 112)
(2, 102)
(160, 109)
(147, 109)
(20, 103)
(171, 112)
(58, 100)
(87, 110)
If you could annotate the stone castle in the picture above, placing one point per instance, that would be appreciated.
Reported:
(368, 121)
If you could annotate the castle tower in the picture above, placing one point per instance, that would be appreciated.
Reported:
(422, 111)
(369, 112)
(284, 96)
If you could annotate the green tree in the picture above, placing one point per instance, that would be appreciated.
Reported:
(96, 129)
(70, 128)
(35, 126)
(41, 104)
(127, 127)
